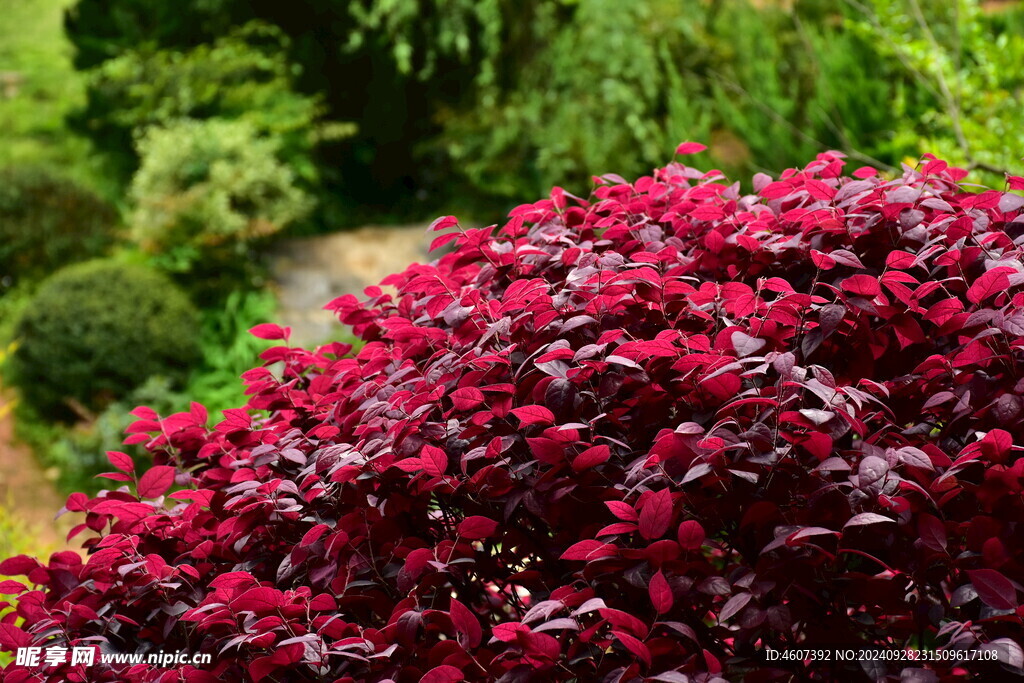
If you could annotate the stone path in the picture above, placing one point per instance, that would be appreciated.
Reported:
(310, 272)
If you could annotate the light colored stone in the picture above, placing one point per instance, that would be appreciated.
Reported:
(310, 272)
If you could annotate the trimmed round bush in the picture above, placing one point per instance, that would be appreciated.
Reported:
(47, 222)
(643, 436)
(97, 330)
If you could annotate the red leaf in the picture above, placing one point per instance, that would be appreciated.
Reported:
(996, 444)
(444, 673)
(198, 412)
(708, 212)
(313, 535)
(943, 311)
(991, 283)
(77, 502)
(862, 285)
(533, 414)
(994, 588)
(12, 637)
(270, 331)
(822, 260)
(661, 593)
(20, 565)
(466, 623)
(900, 260)
(232, 580)
(592, 457)
(623, 511)
(262, 667)
(258, 599)
(435, 460)
(443, 223)
(155, 481)
(115, 476)
(690, 148)
(656, 514)
(121, 461)
(587, 550)
(323, 602)
(723, 386)
(508, 632)
(409, 464)
(442, 240)
(467, 398)
(932, 532)
(634, 645)
(477, 527)
(691, 535)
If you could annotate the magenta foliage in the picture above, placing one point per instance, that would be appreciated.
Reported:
(641, 436)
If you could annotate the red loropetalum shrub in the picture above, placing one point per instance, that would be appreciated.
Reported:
(643, 436)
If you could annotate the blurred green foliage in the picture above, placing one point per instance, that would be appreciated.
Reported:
(47, 221)
(96, 330)
(16, 538)
(242, 76)
(39, 89)
(207, 183)
(467, 103)
(76, 452)
(971, 63)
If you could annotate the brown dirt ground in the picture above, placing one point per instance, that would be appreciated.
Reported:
(26, 493)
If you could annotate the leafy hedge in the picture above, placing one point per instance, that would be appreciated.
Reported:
(47, 222)
(94, 331)
(642, 436)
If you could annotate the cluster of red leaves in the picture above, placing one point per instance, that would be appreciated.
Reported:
(642, 436)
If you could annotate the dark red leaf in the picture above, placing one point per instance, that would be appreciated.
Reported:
(270, 331)
(121, 461)
(531, 415)
(155, 481)
(690, 148)
(994, 588)
(691, 535)
(443, 674)
(476, 527)
(661, 593)
(656, 514)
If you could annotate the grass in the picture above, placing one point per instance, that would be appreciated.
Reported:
(35, 51)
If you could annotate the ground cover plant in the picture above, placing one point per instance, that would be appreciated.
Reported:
(639, 436)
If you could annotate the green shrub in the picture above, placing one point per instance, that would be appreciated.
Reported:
(47, 222)
(204, 184)
(95, 331)
(227, 349)
(242, 75)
